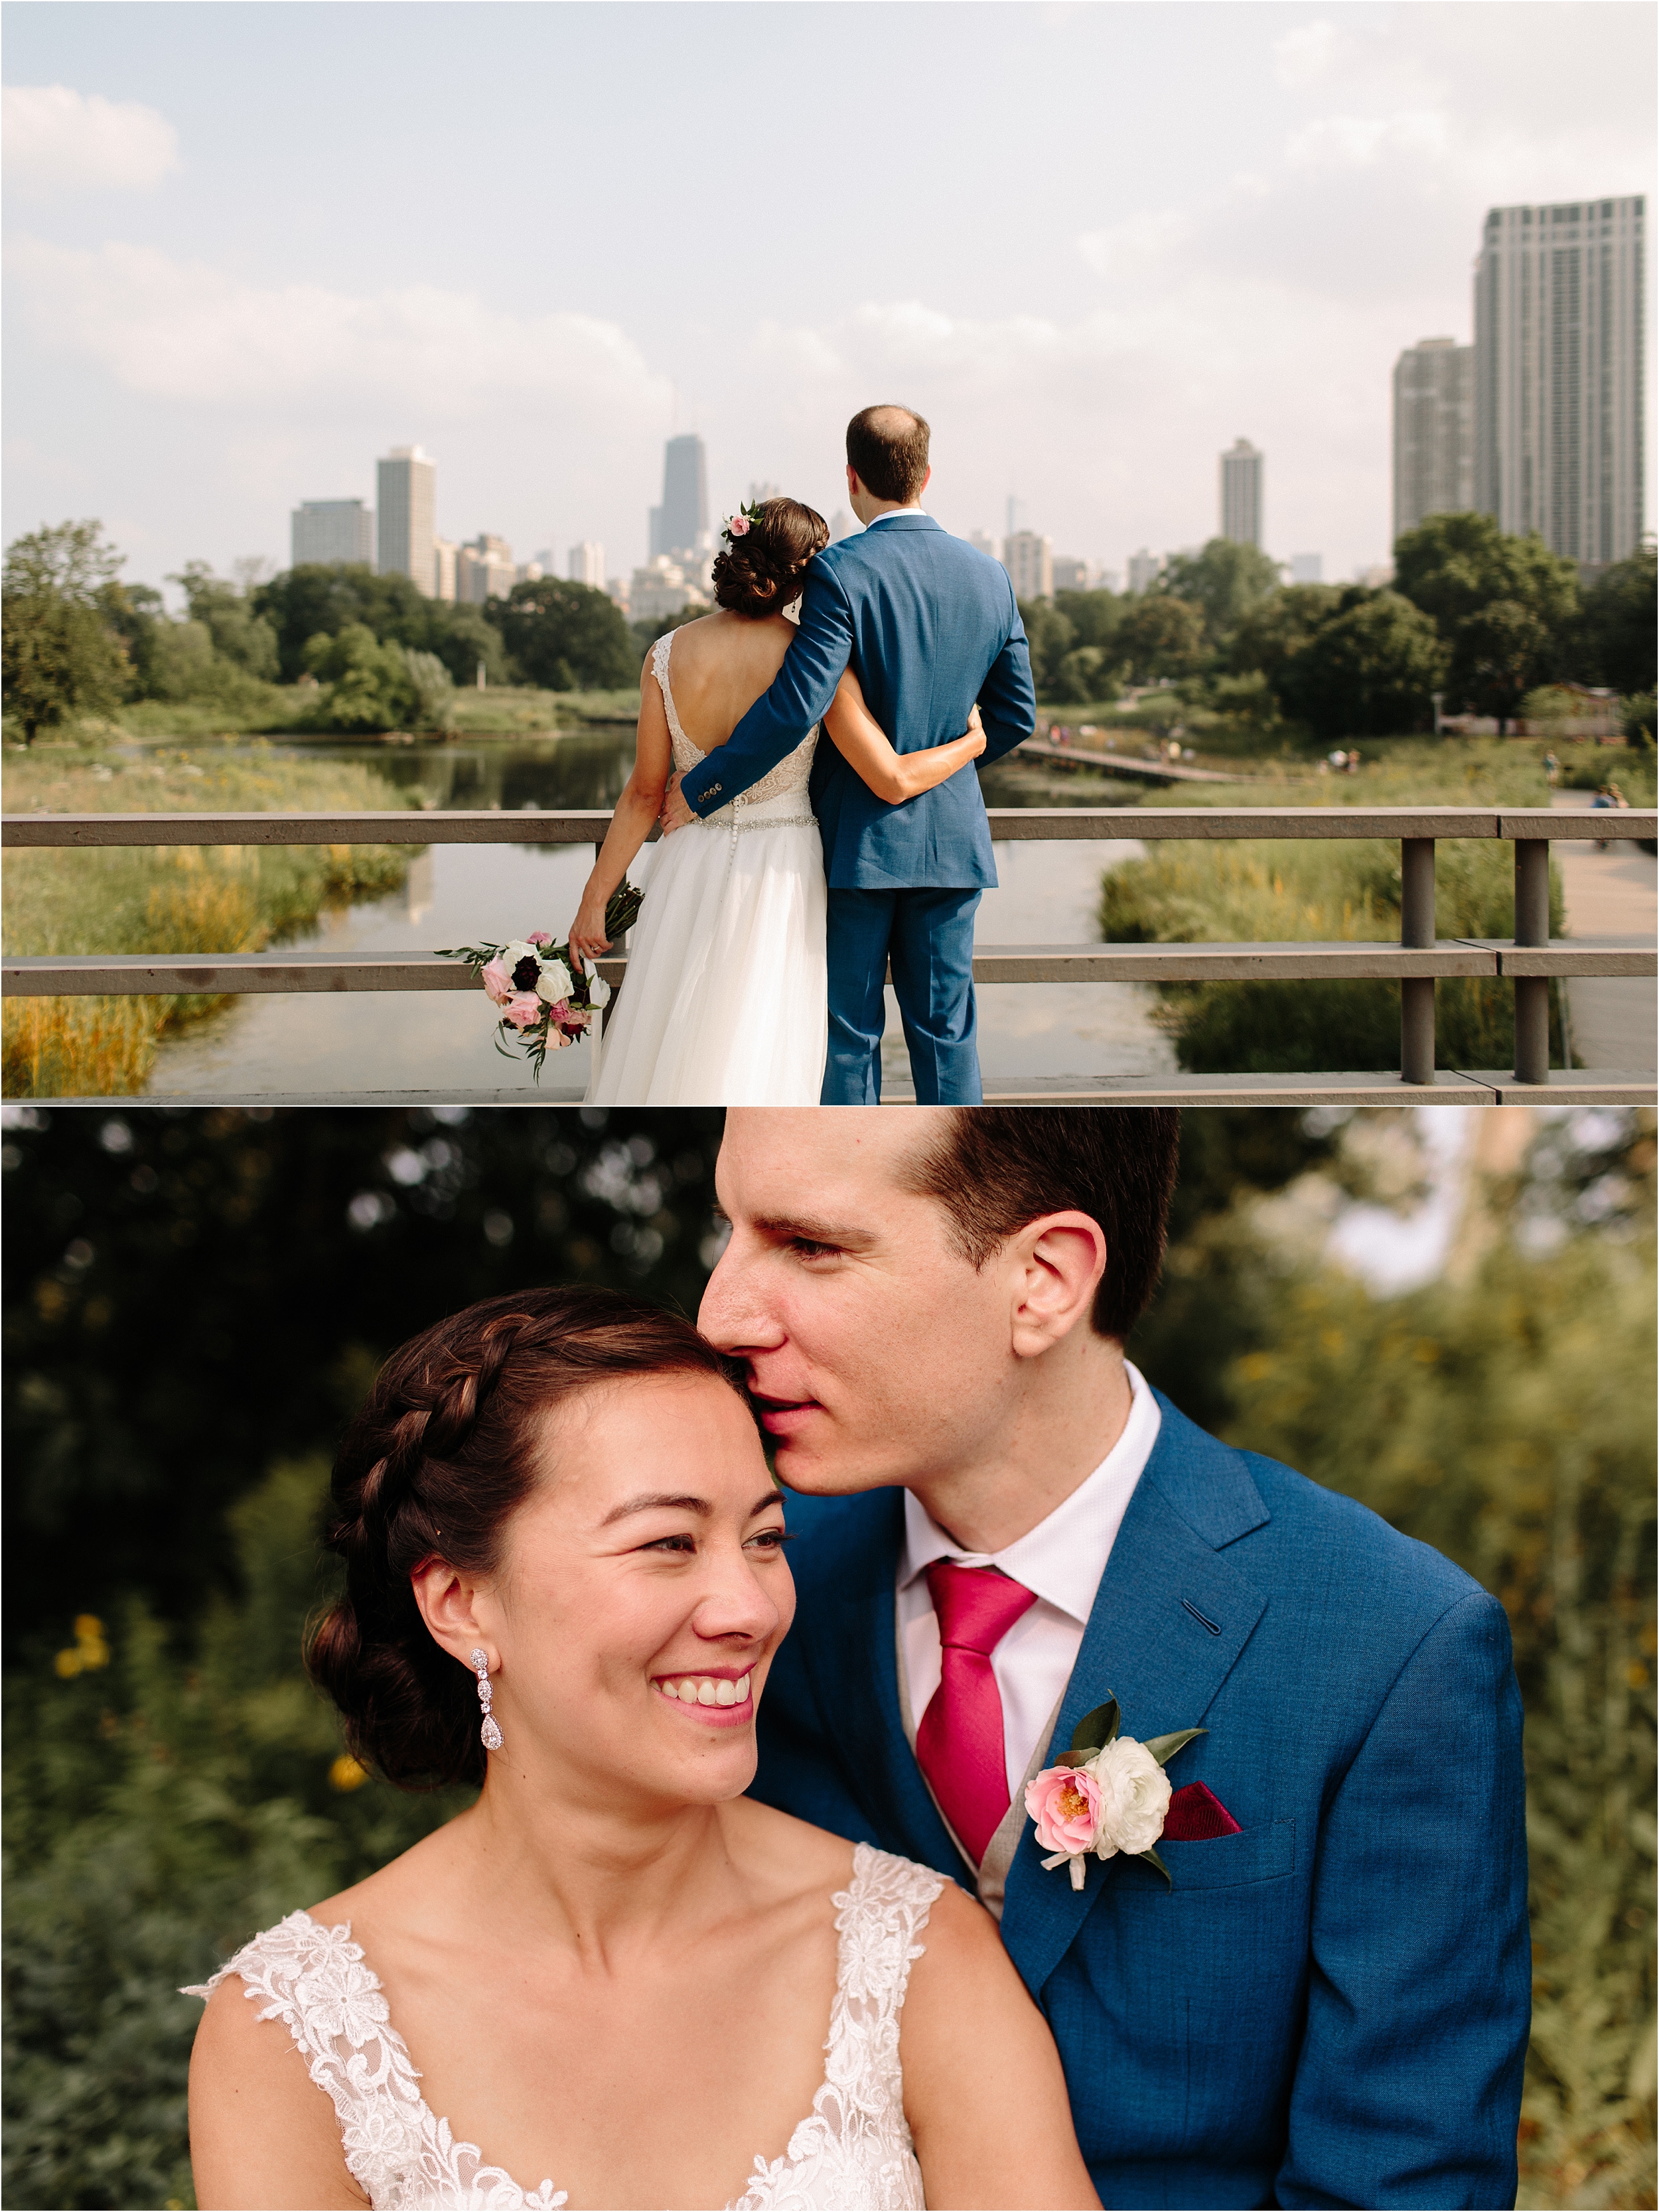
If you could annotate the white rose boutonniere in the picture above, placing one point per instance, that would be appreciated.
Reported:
(1108, 1794)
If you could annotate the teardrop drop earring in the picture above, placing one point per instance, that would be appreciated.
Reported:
(489, 1733)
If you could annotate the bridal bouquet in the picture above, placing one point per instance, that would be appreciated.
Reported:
(545, 994)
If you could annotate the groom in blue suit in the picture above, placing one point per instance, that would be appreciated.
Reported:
(929, 626)
(1328, 2001)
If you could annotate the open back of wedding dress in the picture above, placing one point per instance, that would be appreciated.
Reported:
(725, 998)
(852, 2151)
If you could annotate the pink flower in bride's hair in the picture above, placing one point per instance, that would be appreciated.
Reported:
(538, 937)
(523, 1009)
(737, 526)
(497, 981)
(1066, 1803)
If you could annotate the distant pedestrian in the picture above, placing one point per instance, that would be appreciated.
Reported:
(1551, 768)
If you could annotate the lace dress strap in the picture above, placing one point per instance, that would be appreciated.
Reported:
(315, 1981)
(686, 754)
(855, 2148)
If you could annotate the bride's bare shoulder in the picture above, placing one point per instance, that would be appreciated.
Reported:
(778, 1843)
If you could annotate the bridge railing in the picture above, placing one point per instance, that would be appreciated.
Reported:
(1527, 960)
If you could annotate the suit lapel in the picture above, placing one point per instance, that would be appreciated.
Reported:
(854, 1675)
(1163, 1659)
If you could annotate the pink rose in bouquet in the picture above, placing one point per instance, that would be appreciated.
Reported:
(538, 937)
(523, 1009)
(496, 980)
(1066, 1803)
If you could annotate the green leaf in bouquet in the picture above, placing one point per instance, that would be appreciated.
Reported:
(1153, 1859)
(1164, 1747)
(1098, 1729)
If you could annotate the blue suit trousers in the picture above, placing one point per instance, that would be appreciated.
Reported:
(928, 934)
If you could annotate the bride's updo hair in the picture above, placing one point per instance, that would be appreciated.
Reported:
(450, 1441)
(760, 573)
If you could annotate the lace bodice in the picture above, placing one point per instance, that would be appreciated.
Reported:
(788, 778)
(853, 2148)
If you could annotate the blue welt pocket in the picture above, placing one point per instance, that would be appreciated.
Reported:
(1263, 1854)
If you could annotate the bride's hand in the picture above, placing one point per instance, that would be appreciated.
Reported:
(587, 937)
(976, 729)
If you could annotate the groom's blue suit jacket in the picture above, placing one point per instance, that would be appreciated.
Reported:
(1327, 2008)
(929, 627)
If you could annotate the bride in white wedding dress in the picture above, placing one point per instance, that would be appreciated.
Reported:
(614, 1980)
(725, 1000)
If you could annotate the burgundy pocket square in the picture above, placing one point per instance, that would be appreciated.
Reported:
(1196, 1816)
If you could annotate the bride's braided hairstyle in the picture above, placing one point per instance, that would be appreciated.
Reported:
(760, 573)
(453, 1436)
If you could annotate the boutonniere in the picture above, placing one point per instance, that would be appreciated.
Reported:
(1108, 1794)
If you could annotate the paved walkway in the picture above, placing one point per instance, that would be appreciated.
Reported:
(1613, 893)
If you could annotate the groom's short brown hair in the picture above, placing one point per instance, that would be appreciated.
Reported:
(994, 1168)
(888, 446)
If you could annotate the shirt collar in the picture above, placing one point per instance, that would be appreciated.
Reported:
(1064, 1557)
(887, 513)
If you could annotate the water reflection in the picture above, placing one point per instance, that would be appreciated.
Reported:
(436, 1043)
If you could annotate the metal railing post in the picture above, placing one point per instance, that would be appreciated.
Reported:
(1417, 925)
(1532, 993)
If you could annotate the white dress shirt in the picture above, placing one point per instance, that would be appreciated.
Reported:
(887, 512)
(1062, 1560)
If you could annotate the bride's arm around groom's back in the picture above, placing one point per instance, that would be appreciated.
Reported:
(984, 2093)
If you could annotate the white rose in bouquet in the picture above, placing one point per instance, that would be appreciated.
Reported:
(554, 980)
(1134, 1798)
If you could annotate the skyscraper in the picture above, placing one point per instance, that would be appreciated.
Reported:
(1433, 431)
(1559, 374)
(407, 481)
(1145, 569)
(680, 524)
(1029, 560)
(1241, 493)
(586, 565)
(335, 532)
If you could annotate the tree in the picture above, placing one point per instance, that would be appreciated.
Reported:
(1094, 616)
(320, 600)
(566, 637)
(59, 655)
(1618, 625)
(1159, 635)
(1452, 566)
(1370, 671)
(1223, 582)
(370, 687)
(1049, 637)
(1276, 627)
(238, 635)
(1498, 654)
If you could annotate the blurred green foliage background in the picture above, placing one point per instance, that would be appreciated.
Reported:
(197, 1301)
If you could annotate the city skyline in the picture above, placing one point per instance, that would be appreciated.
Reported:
(196, 340)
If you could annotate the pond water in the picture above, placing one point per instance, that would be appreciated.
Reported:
(433, 1042)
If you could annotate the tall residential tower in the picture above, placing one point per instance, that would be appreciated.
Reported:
(406, 484)
(333, 533)
(1559, 334)
(1241, 493)
(1433, 432)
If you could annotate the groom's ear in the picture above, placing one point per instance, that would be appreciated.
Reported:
(1055, 1267)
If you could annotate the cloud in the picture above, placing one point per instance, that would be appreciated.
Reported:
(1361, 142)
(1301, 57)
(57, 140)
(182, 330)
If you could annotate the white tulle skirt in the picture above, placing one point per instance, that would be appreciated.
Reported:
(725, 998)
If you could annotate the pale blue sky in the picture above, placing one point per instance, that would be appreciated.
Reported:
(1093, 243)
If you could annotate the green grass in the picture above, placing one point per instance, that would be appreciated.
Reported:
(176, 899)
(1347, 891)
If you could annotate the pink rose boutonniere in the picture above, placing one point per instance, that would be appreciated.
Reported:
(1108, 1794)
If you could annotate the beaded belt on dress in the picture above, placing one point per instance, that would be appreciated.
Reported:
(766, 822)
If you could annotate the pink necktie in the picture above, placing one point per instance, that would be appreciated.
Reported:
(960, 1744)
